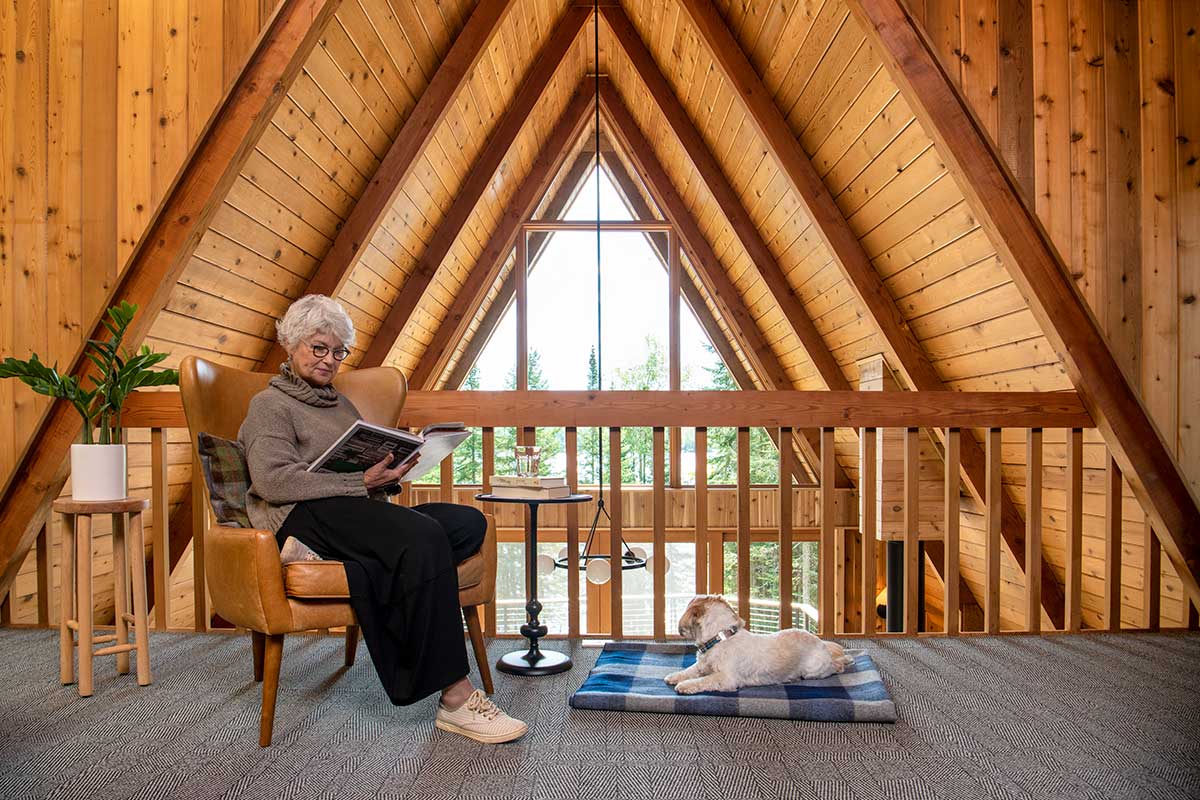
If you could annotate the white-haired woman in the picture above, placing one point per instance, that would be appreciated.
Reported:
(401, 563)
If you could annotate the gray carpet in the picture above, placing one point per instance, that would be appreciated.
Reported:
(1017, 717)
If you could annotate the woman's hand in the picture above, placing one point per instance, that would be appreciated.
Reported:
(382, 474)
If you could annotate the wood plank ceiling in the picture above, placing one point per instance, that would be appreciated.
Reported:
(950, 287)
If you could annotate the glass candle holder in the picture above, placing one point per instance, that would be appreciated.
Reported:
(528, 458)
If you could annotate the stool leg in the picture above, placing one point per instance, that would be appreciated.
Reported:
(120, 590)
(140, 623)
(83, 588)
(67, 611)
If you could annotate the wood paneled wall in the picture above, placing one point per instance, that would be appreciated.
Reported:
(101, 99)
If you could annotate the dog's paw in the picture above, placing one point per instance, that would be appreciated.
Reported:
(689, 687)
(674, 678)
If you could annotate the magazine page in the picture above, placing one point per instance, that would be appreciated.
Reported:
(438, 445)
(364, 445)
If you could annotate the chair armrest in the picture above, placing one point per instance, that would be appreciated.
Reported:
(245, 578)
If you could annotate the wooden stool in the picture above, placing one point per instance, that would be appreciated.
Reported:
(77, 589)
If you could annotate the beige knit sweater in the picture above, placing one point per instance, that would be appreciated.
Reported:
(290, 424)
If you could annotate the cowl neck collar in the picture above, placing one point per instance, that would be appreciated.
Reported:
(294, 386)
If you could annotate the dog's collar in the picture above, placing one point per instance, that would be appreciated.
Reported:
(716, 640)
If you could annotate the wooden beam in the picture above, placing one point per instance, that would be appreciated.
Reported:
(726, 198)
(397, 164)
(1045, 282)
(901, 343)
(549, 161)
(157, 262)
(715, 281)
(568, 189)
(477, 182)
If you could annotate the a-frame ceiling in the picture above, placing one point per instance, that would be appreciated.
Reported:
(812, 127)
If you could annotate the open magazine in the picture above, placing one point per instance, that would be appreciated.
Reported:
(364, 445)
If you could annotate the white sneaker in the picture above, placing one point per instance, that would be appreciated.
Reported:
(480, 719)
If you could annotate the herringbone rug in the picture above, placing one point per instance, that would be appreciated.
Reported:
(1015, 717)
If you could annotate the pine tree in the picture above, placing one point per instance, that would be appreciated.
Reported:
(468, 457)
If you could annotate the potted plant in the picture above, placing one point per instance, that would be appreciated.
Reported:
(98, 470)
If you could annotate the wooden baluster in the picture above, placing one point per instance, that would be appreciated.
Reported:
(786, 454)
(489, 467)
(743, 522)
(912, 530)
(1074, 550)
(1151, 577)
(43, 575)
(1033, 530)
(950, 565)
(1112, 545)
(616, 548)
(660, 534)
(825, 573)
(201, 617)
(446, 489)
(703, 581)
(6, 609)
(160, 509)
(868, 520)
(572, 444)
(991, 524)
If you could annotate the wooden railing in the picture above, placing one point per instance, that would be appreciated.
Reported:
(849, 540)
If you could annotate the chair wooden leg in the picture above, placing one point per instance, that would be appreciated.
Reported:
(351, 644)
(272, 656)
(474, 626)
(256, 646)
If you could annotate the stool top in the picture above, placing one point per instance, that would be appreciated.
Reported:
(67, 505)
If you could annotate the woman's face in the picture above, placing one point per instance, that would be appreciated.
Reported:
(317, 369)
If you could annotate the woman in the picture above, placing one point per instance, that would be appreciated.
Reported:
(400, 562)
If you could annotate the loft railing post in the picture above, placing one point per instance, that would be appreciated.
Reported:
(1033, 530)
(1151, 577)
(160, 510)
(660, 535)
(615, 541)
(743, 522)
(867, 523)
(489, 467)
(446, 489)
(912, 530)
(201, 618)
(1074, 551)
(704, 583)
(992, 480)
(43, 575)
(951, 611)
(825, 573)
(786, 454)
(572, 445)
(1112, 545)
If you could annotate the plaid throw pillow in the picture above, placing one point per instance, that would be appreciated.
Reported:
(228, 479)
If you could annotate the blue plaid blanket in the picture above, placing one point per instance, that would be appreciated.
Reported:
(628, 676)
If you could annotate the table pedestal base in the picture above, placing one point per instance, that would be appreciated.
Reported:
(534, 662)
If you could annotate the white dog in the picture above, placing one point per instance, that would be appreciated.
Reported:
(730, 656)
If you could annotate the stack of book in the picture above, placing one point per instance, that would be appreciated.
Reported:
(519, 487)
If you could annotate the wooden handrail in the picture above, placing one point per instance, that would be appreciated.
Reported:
(690, 409)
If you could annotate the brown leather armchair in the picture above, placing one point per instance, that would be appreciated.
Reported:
(250, 587)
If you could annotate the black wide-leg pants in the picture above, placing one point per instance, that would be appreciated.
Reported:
(402, 570)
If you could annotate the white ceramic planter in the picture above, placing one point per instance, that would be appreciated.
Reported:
(98, 471)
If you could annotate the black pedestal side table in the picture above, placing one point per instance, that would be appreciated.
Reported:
(534, 661)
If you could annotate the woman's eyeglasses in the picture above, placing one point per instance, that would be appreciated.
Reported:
(320, 351)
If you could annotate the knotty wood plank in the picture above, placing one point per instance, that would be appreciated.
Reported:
(1039, 272)
(478, 181)
(1015, 76)
(162, 252)
(401, 158)
(555, 150)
